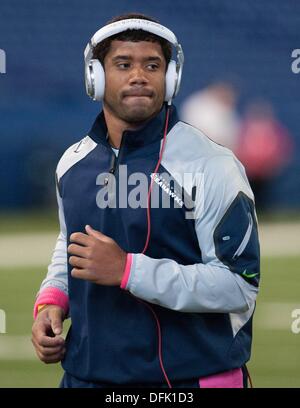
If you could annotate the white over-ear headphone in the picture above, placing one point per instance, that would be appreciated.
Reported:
(94, 72)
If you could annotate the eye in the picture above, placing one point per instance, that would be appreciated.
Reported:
(152, 67)
(123, 65)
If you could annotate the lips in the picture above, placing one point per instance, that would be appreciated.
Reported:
(136, 93)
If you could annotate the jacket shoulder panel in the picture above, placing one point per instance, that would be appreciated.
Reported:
(190, 152)
(74, 154)
(190, 140)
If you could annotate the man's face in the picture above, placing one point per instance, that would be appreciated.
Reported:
(134, 80)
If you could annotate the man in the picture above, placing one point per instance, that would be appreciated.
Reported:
(160, 286)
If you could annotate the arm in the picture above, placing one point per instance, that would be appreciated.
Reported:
(227, 280)
(54, 288)
(53, 296)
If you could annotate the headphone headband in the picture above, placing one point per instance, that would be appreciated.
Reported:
(129, 24)
(133, 24)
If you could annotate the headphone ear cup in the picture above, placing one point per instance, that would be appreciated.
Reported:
(171, 80)
(95, 80)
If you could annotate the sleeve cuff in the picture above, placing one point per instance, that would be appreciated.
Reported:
(51, 296)
(126, 271)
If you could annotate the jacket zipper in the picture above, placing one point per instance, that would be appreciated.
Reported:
(114, 164)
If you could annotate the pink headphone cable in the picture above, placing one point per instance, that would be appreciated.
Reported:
(146, 246)
(152, 180)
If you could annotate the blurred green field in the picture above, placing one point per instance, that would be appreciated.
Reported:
(37, 220)
(19, 222)
(276, 350)
(17, 293)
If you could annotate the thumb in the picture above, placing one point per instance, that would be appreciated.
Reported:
(96, 234)
(56, 320)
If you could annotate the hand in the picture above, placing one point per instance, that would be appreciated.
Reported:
(46, 330)
(96, 258)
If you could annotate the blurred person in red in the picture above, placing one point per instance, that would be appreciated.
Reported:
(265, 146)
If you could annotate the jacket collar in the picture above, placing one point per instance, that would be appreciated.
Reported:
(152, 131)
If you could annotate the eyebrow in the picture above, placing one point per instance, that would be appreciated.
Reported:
(127, 58)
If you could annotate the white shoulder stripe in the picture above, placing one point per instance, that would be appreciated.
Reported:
(74, 154)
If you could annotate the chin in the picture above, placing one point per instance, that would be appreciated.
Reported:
(138, 114)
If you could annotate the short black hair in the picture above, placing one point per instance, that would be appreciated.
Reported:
(103, 47)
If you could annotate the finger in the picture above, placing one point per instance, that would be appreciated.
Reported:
(42, 343)
(78, 250)
(79, 263)
(51, 359)
(97, 234)
(56, 320)
(82, 274)
(80, 238)
(48, 355)
(43, 334)
(48, 351)
(47, 341)
(41, 329)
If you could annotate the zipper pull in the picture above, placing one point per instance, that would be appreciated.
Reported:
(112, 168)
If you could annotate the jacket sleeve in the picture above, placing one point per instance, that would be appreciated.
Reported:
(227, 279)
(54, 288)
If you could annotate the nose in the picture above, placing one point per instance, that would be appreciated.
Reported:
(138, 76)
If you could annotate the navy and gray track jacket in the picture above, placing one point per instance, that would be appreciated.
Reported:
(200, 272)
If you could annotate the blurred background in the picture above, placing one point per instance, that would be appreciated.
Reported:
(238, 87)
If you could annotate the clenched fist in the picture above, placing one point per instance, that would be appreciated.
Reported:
(46, 334)
(96, 258)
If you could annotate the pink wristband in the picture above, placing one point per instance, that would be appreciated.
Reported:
(51, 296)
(126, 271)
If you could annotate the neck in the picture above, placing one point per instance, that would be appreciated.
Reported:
(116, 127)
